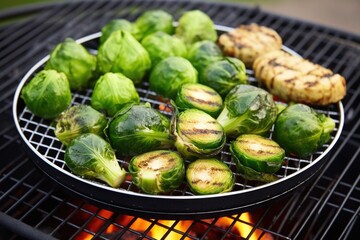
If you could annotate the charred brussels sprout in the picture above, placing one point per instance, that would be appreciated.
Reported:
(121, 52)
(195, 95)
(161, 45)
(203, 53)
(224, 74)
(138, 128)
(301, 131)
(158, 171)
(169, 74)
(47, 94)
(114, 25)
(197, 134)
(247, 109)
(91, 157)
(113, 91)
(257, 157)
(195, 26)
(77, 120)
(75, 61)
(209, 176)
(153, 21)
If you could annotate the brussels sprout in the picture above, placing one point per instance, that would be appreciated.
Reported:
(223, 75)
(209, 176)
(121, 52)
(247, 109)
(47, 94)
(203, 53)
(75, 61)
(257, 152)
(301, 131)
(161, 45)
(153, 21)
(91, 157)
(158, 171)
(112, 26)
(195, 26)
(195, 95)
(197, 134)
(113, 91)
(77, 120)
(169, 74)
(138, 128)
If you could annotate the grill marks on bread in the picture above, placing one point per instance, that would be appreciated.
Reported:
(293, 78)
(247, 42)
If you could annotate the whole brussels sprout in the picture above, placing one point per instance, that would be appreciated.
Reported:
(247, 109)
(209, 176)
(203, 53)
(47, 94)
(223, 75)
(301, 131)
(77, 120)
(90, 156)
(197, 134)
(169, 74)
(75, 61)
(256, 157)
(113, 91)
(195, 26)
(138, 128)
(195, 95)
(158, 171)
(161, 45)
(114, 25)
(121, 52)
(153, 21)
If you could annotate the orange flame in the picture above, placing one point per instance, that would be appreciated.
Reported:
(174, 230)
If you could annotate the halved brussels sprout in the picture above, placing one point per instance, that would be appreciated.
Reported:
(158, 171)
(195, 26)
(153, 21)
(301, 131)
(209, 176)
(122, 53)
(77, 120)
(114, 25)
(197, 134)
(224, 74)
(257, 152)
(169, 74)
(247, 109)
(161, 45)
(138, 128)
(113, 91)
(203, 53)
(75, 61)
(47, 94)
(91, 157)
(195, 95)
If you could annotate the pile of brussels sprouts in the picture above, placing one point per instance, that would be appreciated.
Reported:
(211, 101)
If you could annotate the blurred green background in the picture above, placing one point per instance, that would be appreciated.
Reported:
(342, 14)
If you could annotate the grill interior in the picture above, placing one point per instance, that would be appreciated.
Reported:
(329, 207)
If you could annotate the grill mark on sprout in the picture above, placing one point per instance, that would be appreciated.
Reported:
(207, 182)
(145, 163)
(196, 131)
(204, 90)
(211, 103)
(276, 148)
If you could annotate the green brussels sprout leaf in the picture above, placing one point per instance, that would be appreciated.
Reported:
(91, 157)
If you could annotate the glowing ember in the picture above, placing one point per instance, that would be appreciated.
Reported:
(126, 227)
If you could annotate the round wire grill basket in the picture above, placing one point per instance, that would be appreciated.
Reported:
(48, 154)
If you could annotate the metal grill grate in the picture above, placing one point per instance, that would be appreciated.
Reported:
(329, 207)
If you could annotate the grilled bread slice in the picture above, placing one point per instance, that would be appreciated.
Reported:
(293, 78)
(247, 42)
